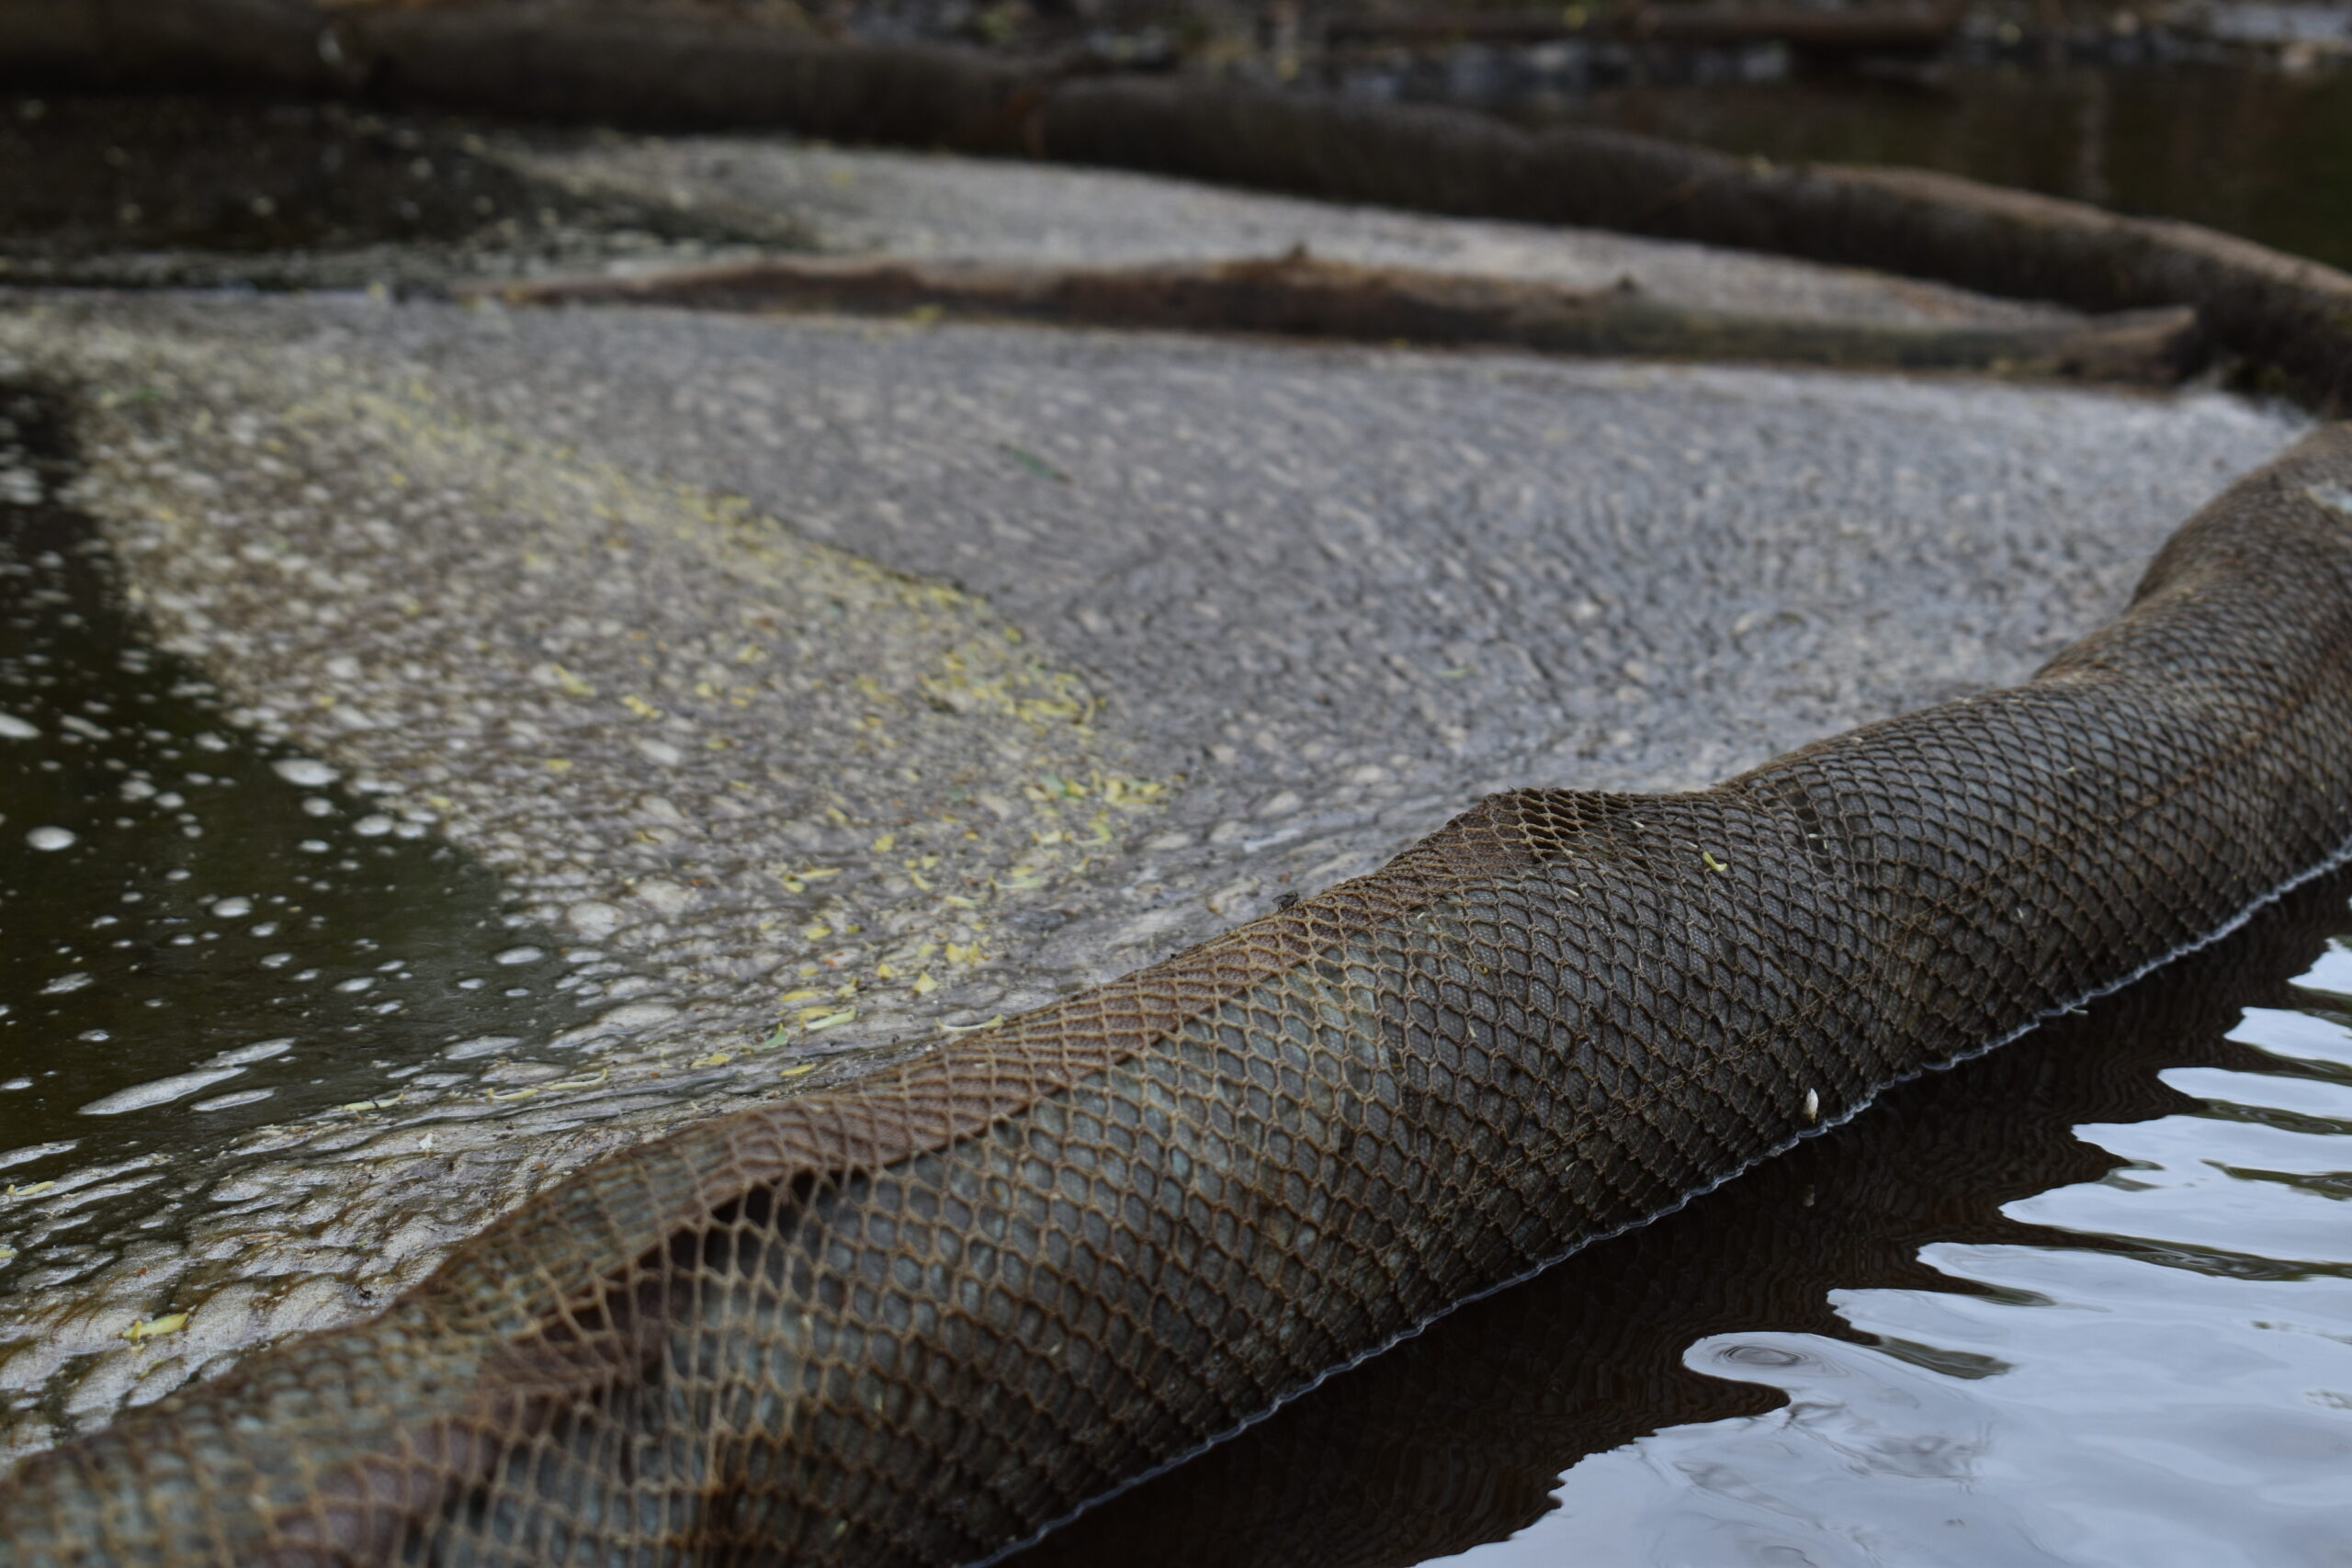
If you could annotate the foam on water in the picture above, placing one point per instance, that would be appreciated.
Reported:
(163, 1091)
(307, 772)
(232, 1101)
(173, 1013)
(246, 1056)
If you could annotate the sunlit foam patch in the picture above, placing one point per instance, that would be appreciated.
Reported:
(159, 1091)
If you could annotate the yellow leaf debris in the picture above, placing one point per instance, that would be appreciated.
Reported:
(155, 1327)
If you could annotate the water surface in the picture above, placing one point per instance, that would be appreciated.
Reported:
(2085, 1300)
(2262, 153)
(201, 934)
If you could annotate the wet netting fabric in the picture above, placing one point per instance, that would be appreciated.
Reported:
(917, 1318)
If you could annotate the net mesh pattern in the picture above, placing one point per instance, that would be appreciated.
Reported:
(916, 1319)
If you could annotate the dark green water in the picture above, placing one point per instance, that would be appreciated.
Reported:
(2264, 155)
(201, 934)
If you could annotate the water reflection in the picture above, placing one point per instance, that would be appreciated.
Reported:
(198, 935)
(2085, 1300)
(2258, 153)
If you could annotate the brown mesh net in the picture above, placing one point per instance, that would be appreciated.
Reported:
(917, 1319)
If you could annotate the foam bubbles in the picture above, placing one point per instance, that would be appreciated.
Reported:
(482, 1046)
(246, 1056)
(307, 772)
(232, 1098)
(50, 838)
(638, 1015)
(595, 919)
(160, 1091)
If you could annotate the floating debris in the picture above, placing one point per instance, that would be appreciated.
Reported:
(148, 1328)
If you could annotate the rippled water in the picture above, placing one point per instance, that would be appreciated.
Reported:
(198, 935)
(2086, 1301)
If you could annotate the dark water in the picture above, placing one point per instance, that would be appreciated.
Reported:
(140, 190)
(92, 172)
(2264, 155)
(2135, 123)
(200, 934)
(2085, 1300)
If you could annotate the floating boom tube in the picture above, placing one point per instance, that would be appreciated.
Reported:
(666, 68)
(920, 1317)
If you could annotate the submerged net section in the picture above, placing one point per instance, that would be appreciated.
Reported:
(918, 1318)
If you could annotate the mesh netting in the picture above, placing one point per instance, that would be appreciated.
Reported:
(920, 1317)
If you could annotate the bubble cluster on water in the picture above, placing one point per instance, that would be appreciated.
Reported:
(205, 943)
